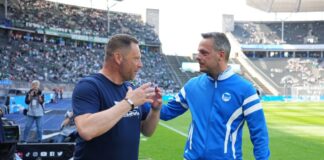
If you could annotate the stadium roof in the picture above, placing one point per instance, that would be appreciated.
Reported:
(287, 5)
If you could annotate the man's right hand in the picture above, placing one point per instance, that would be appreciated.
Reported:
(141, 94)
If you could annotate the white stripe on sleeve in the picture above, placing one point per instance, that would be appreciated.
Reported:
(177, 98)
(183, 93)
(250, 99)
(252, 109)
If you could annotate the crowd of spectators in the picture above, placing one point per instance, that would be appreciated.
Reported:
(28, 59)
(308, 70)
(27, 56)
(295, 32)
(157, 71)
(293, 71)
(41, 14)
(32, 55)
(250, 33)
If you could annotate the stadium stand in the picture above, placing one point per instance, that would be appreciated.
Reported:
(295, 32)
(290, 71)
(41, 44)
(40, 14)
(289, 61)
(24, 58)
(175, 62)
(157, 71)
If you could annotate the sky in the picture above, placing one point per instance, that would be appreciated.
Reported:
(183, 21)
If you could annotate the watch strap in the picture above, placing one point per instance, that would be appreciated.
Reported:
(130, 102)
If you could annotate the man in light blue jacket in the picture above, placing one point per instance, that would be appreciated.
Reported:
(220, 102)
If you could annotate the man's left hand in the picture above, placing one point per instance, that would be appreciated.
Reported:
(157, 99)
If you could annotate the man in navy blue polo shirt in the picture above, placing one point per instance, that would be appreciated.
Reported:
(109, 112)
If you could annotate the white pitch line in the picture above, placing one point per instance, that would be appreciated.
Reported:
(173, 129)
(50, 135)
(310, 130)
(47, 111)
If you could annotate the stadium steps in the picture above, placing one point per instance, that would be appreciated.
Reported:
(249, 67)
(264, 90)
(174, 74)
(175, 64)
(255, 81)
(181, 59)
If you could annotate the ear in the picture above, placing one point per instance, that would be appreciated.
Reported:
(118, 57)
(222, 55)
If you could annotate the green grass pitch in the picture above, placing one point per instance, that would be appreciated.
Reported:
(296, 131)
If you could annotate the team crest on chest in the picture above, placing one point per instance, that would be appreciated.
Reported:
(226, 97)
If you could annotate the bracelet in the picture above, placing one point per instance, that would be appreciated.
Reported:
(130, 102)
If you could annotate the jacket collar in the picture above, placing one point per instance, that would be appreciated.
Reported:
(224, 75)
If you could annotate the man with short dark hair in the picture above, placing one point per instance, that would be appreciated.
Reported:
(109, 112)
(220, 101)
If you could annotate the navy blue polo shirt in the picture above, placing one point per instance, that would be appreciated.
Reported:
(96, 93)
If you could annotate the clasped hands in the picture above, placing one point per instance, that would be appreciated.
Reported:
(146, 93)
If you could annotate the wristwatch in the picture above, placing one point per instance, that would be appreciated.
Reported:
(130, 102)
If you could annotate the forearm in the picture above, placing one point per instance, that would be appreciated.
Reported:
(261, 145)
(93, 125)
(259, 135)
(150, 123)
(171, 110)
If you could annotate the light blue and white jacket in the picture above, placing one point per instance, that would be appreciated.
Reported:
(219, 109)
